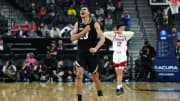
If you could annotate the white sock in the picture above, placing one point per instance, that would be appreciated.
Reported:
(119, 86)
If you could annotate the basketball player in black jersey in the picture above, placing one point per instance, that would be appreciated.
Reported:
(86, 31)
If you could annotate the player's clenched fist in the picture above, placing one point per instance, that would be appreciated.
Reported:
(87, 29)
(93, 50)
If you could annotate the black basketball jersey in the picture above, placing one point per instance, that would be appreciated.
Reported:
(89, 40)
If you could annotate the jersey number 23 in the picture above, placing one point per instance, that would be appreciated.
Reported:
(85, 37)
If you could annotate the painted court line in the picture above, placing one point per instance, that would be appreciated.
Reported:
(159, 90)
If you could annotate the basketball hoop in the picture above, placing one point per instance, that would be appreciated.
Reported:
(174, 6)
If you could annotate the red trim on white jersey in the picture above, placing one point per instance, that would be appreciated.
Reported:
(113, 38)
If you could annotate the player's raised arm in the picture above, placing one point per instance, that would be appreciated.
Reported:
(109, 35)
(129, 35)
(100, 34)
(75, 35)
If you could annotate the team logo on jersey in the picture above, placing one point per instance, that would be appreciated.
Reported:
(81, 28)
(119, 38)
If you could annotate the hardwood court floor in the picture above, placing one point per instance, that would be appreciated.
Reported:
(67, 92)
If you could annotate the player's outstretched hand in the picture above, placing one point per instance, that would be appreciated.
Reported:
(92, 50)
(87, 29)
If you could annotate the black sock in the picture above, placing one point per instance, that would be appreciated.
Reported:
(79, 97)
(100, 93)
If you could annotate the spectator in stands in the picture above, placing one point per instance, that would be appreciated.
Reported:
(67, 3)
(26, 72)
(39, 33)
(40, 30)
(34, 11)
(146, 64)
(3, 47)
(158, 18)
(147, 55)
(68, 74)
(119, 10)
(66, 34)
(55, 32)
(41, 72)
(108, 26)
(108, 19)
(51, 9)
(32, 34)
(50, 64)
(110, 7)
(119, 7)
(126, 19)
(59, 71)
(71, 11)
(174, 34)
(9, 71)
(50, 2)
(107, 73)
(60, 45)
(100, 11)
(151, 53)
(42, 25)
(14, 29)
(82, 2)
(52, 49)
(30, 59)
(20, 33)
(69, 28)
(52, 19)
(45, 31)
(62, 72)
(25, 27)
(34, 26)
(42, 13)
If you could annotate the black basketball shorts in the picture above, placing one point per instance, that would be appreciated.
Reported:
(88, 61)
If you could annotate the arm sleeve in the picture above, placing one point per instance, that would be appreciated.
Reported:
(128, 34)
(109, 35)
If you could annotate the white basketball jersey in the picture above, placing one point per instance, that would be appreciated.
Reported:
(120, 43)
(119, 40)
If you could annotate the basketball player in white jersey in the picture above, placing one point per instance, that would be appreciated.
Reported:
(119, 39)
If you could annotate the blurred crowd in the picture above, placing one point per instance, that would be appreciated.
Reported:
(49, 68)
(52, 21)
(42, 31)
